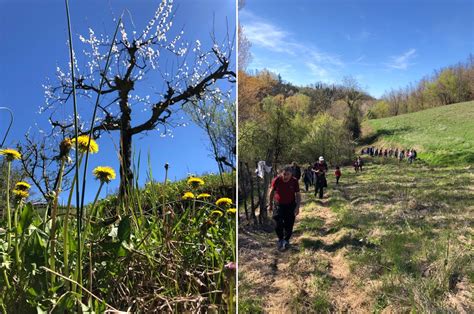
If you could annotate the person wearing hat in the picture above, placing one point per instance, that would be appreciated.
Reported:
(320, 168)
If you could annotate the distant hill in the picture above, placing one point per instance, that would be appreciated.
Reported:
(442, 135)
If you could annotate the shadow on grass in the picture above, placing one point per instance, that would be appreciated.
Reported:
(333, 247)
(372, 138)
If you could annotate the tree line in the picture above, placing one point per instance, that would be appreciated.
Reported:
(445, 86)
(280, 122)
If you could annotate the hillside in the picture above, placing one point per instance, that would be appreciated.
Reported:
(396, 238)
(442, 135)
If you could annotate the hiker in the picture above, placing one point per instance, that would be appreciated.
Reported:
(320, 168)
(401, 155)
(358, 164)
(414, 154)
(308, 178)
(296, 170)
(376, 153)
(284, 200)
(338, 174)
(385, 153)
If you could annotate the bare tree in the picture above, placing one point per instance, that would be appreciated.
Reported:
(39, 161)
(184, 71)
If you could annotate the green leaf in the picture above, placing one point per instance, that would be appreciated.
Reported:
(124, 229)
(26, 217)
(66, 303)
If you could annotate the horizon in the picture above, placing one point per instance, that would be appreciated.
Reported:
(384, 46)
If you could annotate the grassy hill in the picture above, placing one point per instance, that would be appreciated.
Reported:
(441, 135)
(396, 238)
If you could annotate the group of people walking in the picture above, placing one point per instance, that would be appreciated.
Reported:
(316, 175)
(285, 198)
(400, 154)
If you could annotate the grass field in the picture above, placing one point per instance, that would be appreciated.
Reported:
(394, 238)
(442, 135)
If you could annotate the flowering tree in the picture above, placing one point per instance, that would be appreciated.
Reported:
(182, 70)
(219, 122)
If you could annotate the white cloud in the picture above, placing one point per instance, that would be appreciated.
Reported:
(264, 34)
(402, 61)
(319, 72)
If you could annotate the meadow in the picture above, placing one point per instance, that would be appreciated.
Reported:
(393, 238)
(170, 248)
(442, 135)
(152, 248)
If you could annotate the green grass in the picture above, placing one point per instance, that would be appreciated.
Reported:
(161, 252)
(417, 221)
(442, 135)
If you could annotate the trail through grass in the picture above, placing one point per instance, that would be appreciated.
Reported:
(392, 238)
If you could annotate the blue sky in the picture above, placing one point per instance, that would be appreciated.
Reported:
(383, 44)
(33, 36)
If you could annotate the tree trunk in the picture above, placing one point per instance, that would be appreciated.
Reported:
(126, 174)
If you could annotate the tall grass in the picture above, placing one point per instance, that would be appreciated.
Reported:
(154, 251)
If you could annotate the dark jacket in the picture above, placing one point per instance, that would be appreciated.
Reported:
(320, 174)
(296, 170)
(308, 176)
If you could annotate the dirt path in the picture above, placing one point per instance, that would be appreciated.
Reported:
(359, 249)
(313, 275)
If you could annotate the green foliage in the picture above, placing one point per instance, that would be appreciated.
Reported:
(324, 136)
(280, 136)
(450, 85)
(270, 136)
(298, 103)
(171, 254)
(379, 110)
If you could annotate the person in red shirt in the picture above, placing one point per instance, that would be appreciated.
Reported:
(338, 174)
(284, 200)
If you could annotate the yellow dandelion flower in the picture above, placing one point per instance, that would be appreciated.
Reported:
(224, 201)
(217, 213)
(232, 211)
(10, 154)
(22, 186)
(195, 182)
(104, 174)
(188, 196)
(82, 142)
(203, 195)
(21, 194)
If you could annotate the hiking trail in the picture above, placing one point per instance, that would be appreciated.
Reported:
(282, 278)
(387, 240)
